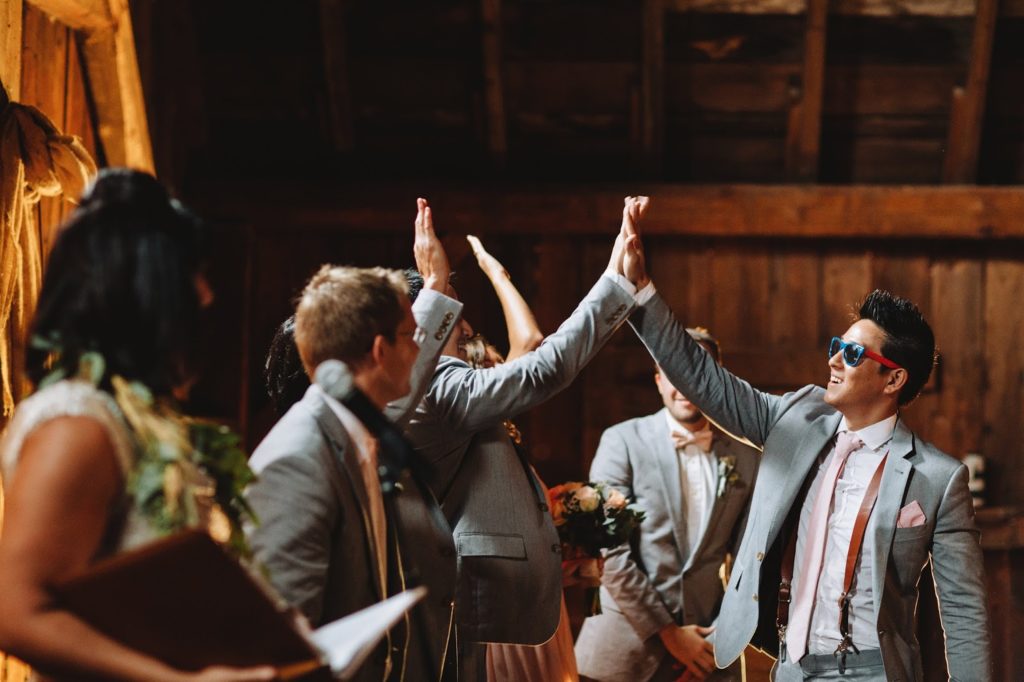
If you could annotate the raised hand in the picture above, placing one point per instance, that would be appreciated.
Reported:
(619, 248)
(634, 265)
(491, 266)
(431, 259)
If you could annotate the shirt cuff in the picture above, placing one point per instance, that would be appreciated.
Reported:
(645, 294)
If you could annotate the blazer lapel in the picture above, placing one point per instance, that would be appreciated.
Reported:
(721, 447)
(887, 506)
(793, 470)
(348, 464)
(659, 441)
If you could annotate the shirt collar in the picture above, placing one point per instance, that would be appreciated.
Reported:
(675, 425)
(361, 438)
(876, 435)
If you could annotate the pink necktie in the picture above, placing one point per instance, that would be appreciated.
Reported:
(701, 439)
(814, 549)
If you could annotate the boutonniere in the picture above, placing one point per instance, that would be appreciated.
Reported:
(727, 474)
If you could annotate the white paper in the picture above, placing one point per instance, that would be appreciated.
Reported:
(347, 642)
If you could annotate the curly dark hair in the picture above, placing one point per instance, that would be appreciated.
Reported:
(121, 281)
(909, 341)
(283, 372)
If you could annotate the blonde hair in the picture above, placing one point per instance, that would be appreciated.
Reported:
(343, 309)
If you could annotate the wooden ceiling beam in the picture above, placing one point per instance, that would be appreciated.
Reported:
(495, 123)
(729, 211)
(803, 134)
(11, 17)
(875, 8)
(334, 39)
(652, 85)
(967, 113)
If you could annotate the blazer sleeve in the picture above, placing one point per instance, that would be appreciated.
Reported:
(471, 400)
(960, 584)
(629, 586)
(435, 314)
(296, 508)
(730, 402)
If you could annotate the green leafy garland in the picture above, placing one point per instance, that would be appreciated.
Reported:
(189, 472)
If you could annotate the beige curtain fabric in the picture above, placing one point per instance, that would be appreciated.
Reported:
(36, 160)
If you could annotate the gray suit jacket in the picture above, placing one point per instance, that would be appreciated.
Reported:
(647, 584)
(313, 533)
(794, 430)
(509, 586)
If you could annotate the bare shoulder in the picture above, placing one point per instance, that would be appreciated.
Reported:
(64, 451)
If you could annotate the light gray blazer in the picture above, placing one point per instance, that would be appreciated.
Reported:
(510, 581)
(647, 584)
(794, 430)
(313, 516)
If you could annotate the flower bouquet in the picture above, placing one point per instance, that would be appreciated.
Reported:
(590, 517)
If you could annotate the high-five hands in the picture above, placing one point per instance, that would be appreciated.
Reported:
(627, 257)
(431, 260)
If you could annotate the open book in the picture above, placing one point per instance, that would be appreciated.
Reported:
(185, 601)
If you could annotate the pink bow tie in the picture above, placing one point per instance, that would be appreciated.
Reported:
(702, 439)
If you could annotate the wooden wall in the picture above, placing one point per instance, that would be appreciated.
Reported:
(773, 302)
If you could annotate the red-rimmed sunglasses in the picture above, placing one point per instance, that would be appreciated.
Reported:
(854, 353)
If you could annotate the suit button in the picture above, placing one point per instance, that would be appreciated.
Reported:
(760, 556)
(881, 633)
(556, 548)
(755, 597)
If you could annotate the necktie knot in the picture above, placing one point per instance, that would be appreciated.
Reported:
(846, 443)
(701, 439)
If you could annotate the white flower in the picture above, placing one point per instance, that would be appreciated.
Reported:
(587, 498)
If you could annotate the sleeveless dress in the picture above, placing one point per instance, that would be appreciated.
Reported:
(126, 528)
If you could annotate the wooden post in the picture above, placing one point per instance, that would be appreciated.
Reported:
(968, 111)
(803, 135)
(334, 37)
(11, 12)
(652, 85)
(494, 84)
(108, 45)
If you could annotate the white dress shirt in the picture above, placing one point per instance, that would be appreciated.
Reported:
(851, 486)
(698, 480)
(366, 453)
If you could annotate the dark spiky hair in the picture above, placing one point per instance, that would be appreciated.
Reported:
(909, 341)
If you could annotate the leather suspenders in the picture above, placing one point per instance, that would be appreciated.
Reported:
(852, 555)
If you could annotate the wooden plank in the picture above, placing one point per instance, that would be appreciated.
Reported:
(81, 15)
(794, 299)
(958, 322)
(494, 82)
(116, 90)
(845, 279)
(803, 136)
(11, 13)
(736, 211)
(961, 162)
(869, 8)
(334, 39)
(652, 85)
(1003, 399)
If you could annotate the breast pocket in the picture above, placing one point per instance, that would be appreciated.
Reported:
(506, 546)
(909, 553)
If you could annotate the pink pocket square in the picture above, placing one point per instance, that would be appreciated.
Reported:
(911, 516)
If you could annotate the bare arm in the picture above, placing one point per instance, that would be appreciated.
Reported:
(524, 334)
(53, 528)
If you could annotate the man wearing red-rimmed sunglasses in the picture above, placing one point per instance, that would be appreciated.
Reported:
(848, 507)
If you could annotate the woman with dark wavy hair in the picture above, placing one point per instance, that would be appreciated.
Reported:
(112, 335)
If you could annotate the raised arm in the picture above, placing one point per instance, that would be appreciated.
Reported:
(524, 333)
(436, 314)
